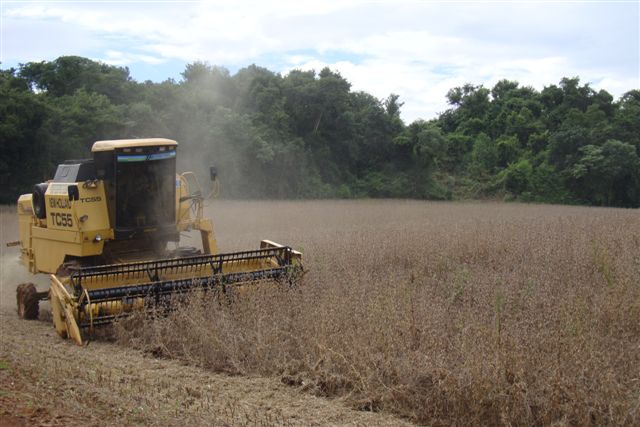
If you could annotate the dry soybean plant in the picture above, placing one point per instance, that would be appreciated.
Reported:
(441, 313)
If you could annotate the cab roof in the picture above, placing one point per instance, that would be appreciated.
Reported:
(127, 143)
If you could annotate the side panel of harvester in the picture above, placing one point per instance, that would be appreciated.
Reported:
(74, 227)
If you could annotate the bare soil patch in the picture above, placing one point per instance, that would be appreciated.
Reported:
(47, 381)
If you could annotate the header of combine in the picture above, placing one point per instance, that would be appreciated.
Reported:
(103, 227)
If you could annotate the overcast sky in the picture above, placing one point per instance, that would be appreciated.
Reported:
(417, 49)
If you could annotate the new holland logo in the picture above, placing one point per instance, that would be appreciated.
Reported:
(60, 203)
(64, 203)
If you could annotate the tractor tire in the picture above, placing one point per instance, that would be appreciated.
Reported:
(28, 301)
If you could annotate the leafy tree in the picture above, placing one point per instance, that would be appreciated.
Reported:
(574, 95)
(307, 134)
(67, 74)
(564, 146)
(508, 151)
(626, 125)
(517, 177)
(485, 155)
(608, 174)
(546, 185)
(77, 120)
(522, 124)
(22, 115)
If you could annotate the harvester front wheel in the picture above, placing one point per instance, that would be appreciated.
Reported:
(28, 301)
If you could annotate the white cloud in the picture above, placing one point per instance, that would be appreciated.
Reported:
(115, 57)
(416, 49)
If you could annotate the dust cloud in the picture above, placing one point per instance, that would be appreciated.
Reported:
(12, 271)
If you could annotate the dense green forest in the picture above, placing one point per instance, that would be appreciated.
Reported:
(308, 135)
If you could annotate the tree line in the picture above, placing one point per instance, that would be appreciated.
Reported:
(308, 135)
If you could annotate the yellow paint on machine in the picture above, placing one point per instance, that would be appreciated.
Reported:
(68, 225)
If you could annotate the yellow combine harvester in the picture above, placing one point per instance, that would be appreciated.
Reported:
(103, 229)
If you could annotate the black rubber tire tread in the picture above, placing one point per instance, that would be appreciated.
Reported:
(28, 301)
(37, 198)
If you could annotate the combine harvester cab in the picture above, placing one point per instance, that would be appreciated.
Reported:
(102, 228)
